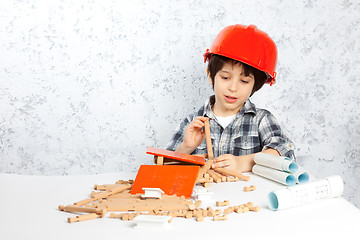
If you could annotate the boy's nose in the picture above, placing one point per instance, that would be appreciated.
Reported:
(233, 86)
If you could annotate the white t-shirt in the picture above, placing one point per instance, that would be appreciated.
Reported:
(225, 121)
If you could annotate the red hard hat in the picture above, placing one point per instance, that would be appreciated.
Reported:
(246, 44)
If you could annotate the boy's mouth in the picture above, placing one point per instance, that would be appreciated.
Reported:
(230, 99)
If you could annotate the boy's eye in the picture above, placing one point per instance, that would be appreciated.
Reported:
(244, 81)
(225, 78)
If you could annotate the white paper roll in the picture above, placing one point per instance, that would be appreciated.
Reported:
(330, 187)
(276, 162)
(301, 176)
(275, 175)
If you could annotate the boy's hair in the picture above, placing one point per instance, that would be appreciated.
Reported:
(217, 62)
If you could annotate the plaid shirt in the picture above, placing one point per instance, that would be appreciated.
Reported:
(253, 130)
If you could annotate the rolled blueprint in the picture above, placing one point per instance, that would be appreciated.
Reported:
(330, 187)
(275, 175)
(276, 162)
(301, 176)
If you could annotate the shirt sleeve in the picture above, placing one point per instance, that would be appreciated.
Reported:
(272, 136)
(178, 135)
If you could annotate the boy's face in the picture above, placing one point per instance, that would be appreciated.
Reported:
(232, 88)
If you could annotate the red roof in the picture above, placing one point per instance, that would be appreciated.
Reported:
(182, 157)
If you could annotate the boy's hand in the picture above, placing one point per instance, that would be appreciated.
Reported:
(239, 163)
(194, 135)
(228, 161)
(235, 163)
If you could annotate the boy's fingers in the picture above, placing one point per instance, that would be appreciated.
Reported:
(201, 118)
(220, 164)
(199, 123)
(221, 158)
(221, 161)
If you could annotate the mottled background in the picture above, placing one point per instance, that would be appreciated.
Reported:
(87, 85)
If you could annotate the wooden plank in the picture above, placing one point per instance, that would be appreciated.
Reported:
(208, 139)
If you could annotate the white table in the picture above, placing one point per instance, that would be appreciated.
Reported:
(29, 211)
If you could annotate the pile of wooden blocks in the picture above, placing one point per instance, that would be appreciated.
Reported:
(117, 198)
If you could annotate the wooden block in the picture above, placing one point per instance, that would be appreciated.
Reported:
(220, 218)
(214, 176)
(124, 194)
(245, 209)
(219, 175)
(232, 173)
(229, 210)
(248, 189)
(93, 194)
(125, 217)
(170, 220)
(73, 208)
(205, 180)
(180, 213)
(106, 187)
(196, 213)
(204, 213)
(114, 215)
(239, 210)
(198, 203)
(217, 212)
(179, 180)
(83, 218)
(249, 204)
(206, 185)
(130, 181)
(254, 209)
(204, 169)
(210, 212)
(191, 206)
(132, 216)
(85, 201)
(159, 160)
(189, 215)
(199, 218)
(182, 157)
(232, 179)
(221, 204)
(111, 192)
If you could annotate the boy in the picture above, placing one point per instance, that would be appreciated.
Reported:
(241, 59)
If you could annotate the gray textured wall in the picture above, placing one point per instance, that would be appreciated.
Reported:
(87, 85)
